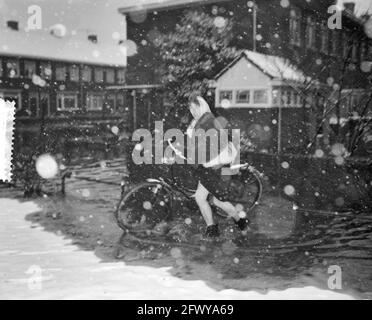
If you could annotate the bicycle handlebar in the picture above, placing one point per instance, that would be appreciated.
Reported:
(176, 151)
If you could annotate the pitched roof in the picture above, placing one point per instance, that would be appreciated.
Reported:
(275, 67)
(43, 45)
(135, 5)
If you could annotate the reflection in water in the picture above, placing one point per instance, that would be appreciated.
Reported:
(284, 244)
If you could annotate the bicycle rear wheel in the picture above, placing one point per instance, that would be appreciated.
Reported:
(145, 208)
(246, 191)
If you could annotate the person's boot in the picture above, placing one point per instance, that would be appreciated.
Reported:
(242, 223)
(212, 231)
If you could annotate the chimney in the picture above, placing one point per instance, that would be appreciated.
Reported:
(349, 7)
(13, 25)
(93, 38)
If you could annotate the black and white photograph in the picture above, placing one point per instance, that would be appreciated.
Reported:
(199, 151)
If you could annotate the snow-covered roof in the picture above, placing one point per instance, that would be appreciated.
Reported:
(139, 5)
(43, 45)
(277, 68)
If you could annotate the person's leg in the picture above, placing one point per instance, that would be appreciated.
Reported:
(227, 207)
(201, 196)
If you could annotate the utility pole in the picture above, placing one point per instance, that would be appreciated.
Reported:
(253, 6)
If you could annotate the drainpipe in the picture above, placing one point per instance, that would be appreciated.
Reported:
(134, 110)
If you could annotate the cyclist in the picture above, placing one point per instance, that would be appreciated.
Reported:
(211, 188)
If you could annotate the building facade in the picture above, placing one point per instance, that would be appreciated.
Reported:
(61, 82)
(299, 32)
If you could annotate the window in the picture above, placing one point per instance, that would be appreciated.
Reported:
(354, 52)
(98, 75)
(67, 101)
(242, 96)
(60, 73)
(120, 102)
(32, 108)
(110, 75)
(363, 50)
(95, 101)
(12, 68)
(310, 32)
(293, 100)
(121, 76)
(13, 97)
(45, 103)
(276, 97)
(30, 69)
(111, 101)
(345, 45)
(324, 39)
(295, 27)
(334, 42)
(299, 100)
(226, 95)
(87, 74)
(260, 96)
(46, 70)
(287, 98)
(74, 73)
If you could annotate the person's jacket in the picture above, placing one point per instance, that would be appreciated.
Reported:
(211, 140)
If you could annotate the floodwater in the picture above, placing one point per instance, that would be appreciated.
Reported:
(285, 247)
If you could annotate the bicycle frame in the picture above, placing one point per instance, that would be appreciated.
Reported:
(173, 186)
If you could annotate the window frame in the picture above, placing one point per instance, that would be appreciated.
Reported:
(42, 69)
(70, 69)
(108, 97)
(96, 70)
(33, 94)
(254, 103)
(112, 78)
(324, 38)
(118, 76)
(83, 73)
(89, 100)
(63, 95)
(310, 34)
(61, 66)
(295, 19)
(25, 73)
(7, 71)
(335, 35)
(225, 90)
(241, 101)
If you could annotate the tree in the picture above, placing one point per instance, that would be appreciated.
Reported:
(194, 53)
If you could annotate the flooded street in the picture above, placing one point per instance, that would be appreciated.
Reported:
(285, 248)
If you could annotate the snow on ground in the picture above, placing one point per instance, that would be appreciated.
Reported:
(35, 264)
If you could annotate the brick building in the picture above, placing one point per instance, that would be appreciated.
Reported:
(296, 31)
(61, 80)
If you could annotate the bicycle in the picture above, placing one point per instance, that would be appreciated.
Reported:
(145, 205)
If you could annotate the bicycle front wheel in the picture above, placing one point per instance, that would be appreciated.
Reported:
(245, 191)
(145, 208)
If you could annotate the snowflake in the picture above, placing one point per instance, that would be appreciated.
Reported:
(46, 166)
(284, 3)
(285, 165)
(289, 190)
